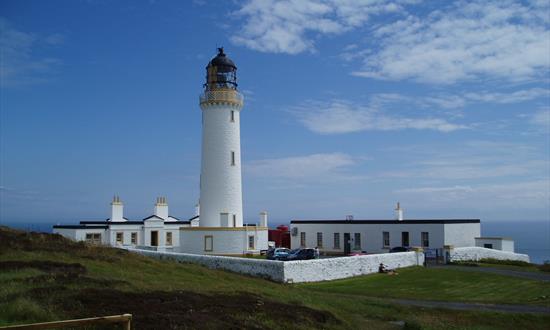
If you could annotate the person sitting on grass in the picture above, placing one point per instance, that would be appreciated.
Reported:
(383, 269)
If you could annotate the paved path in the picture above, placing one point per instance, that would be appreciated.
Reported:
(516, 273)
(472, 306)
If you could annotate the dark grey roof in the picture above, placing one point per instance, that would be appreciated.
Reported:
(387, 222)
(221, 60)
(193, 218)
(153, 216)
(79, 227)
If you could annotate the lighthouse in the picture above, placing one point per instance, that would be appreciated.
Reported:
(221, 182)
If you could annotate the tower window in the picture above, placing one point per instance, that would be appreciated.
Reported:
(234, 220)
(232, 158)
(232, 116)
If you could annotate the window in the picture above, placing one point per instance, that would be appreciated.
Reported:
(405, 238)
(119, 238)
(336, 240)
(488, 246)
(357, 241)
(234, 220)
(425, 239)
(232, 116)
(319, 239)
(208, 243)
(133, 238)
(93, 238)
(169, 238)
(302, 239)
(386, 238)
(232, 158)
(251, 242)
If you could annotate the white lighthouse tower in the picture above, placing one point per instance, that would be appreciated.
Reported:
(220, 185)
(221, 229)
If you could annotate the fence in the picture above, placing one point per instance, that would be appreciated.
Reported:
(124, 319)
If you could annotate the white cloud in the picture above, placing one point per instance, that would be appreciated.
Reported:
(309, 166)
(338, 117)
(527, 194)
(541, 118)
(19, 65)
(467, 41)
(289, 26)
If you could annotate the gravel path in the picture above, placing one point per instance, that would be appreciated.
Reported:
(472, 306)
(516, 273)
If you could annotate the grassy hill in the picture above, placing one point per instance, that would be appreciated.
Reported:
(47, 277)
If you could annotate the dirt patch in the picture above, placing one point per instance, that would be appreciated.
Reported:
(45, 266)
(189, 310)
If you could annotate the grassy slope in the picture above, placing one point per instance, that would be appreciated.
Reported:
(30, 294)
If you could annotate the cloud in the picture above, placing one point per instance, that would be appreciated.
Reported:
(471, 160)
(337, 117)
(300, 167)
(467, 41)
(289, 27)
(20, 65)
(527, 194)
(541, 118)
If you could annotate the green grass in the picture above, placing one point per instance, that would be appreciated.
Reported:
(442, 284)
(351, 304)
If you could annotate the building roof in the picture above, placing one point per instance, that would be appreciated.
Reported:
(386, 222)
(126, 222)
(79, 227)
(497, 238)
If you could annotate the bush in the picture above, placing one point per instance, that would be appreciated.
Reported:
(545, 267)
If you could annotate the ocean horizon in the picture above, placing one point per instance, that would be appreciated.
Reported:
(530, 237)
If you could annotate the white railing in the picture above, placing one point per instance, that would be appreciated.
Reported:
(231, 96)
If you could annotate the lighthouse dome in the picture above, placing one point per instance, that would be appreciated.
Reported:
(223, 62)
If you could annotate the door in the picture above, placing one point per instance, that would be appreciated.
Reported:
(347, 247)
(405, 239)
(154, 238)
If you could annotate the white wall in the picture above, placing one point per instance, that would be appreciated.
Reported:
(478, 253)
(344, 267)
(296, 271)
(462, 234)
(371, 235)
(224, 241)
(220, 184)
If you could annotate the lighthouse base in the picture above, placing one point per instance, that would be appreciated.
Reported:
(223, 240)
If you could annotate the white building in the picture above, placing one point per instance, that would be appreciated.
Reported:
(159, 231)
(379, 236)
(497, 243)
(220, 228)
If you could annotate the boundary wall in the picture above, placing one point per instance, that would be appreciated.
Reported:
(296, 271)
(478, 253)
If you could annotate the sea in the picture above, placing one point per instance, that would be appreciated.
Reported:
(530, 237)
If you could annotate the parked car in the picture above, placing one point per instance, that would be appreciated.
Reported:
(300, 254)
(277, 253)
(400, 249)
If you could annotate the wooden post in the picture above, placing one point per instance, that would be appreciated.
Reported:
(124, 319)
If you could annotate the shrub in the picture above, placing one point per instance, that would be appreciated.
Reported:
(545, 267)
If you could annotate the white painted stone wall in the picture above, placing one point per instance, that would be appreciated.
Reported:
(344, 267)
(297, 271)
(462, 234)
(478, 253)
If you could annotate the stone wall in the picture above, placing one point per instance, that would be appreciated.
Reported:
(296, 271)
(478, 253)
(344, 267)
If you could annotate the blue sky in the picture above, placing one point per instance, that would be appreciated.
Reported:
(350, 107)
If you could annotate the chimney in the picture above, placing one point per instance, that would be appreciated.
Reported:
(398, 212)
(263, 219)
(117, 209)
(161, 208)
